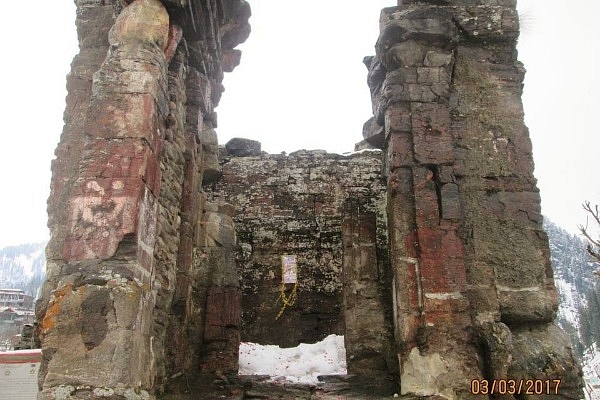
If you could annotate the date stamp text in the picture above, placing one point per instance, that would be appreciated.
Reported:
(515, 386)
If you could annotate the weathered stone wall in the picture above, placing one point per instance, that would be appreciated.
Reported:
(123, 309)
(325, 209)
(470, 258)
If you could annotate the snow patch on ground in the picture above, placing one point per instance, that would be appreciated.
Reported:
(301, 364)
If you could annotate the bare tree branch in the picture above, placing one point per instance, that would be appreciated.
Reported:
(593, 247)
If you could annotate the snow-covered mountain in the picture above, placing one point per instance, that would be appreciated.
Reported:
(579, 290)
(578, 286)
(23, 267)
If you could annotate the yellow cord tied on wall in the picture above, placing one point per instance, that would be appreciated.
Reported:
(289, 275)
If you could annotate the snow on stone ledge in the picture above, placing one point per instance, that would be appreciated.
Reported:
(301, 364)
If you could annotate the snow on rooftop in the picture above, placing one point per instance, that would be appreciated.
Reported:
(301, 364)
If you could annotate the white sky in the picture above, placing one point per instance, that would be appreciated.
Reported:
(302, 84)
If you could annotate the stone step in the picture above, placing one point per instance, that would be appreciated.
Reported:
(332, 387)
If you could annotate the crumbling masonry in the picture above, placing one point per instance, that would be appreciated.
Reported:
(429, 255)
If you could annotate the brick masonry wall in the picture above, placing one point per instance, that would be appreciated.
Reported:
(308, 204)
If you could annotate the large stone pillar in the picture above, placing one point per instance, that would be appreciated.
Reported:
(367, 333)
(119, 305)
(473, 290)
(96, 327)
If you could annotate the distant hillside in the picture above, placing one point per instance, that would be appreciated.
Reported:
(579, 289)
(23, 267)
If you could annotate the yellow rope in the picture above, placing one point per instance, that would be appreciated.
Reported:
(286, 301)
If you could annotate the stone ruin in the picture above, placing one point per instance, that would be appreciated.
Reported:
(428, 255)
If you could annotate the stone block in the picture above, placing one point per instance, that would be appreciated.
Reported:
(230, 59)
(445, 174)
(211, 171)
(433, 143)
(240, 147)
(108, 81)
(124, 117)
(374, 133)
(401, 76)
(406, 292)
(143, 20)
(484, 303)
(226, 209)
(83, 67)
(199, 90)
(410, 92)
(146, 230)
(481, 274)
(237, 29)
(445, 309)
(450, 201)
(208, 137)
(452, 245)
(93, 25)
(523, 207)
(218, 230)
(101, 213)
(489, 23)
(404, 54)
(441, 275)
(398, 118)
(363, 145)
(89, 345)
(425, 198)
(516, 257)
(120, 159)
(429, 75)
(431, 25)
(221, 330)
(542, 352)
(534, 304)
(441, 373)
(438, 58)
(222, 311)
(400, 151)
(215, 266)
(496, 338)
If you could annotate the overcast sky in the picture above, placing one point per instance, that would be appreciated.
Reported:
(302, 84)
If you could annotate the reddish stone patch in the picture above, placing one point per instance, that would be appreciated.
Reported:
(127, 158)
(398, 118)
(123, 116)
(400, 150)
(101, 212)
(411, 244)
(175, 35)
(222, 312)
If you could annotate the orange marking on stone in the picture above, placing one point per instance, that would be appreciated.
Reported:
(54, 309)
